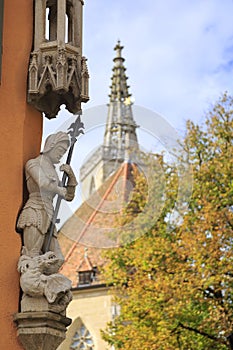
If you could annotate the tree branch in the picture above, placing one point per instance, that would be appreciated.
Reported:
(204, 334)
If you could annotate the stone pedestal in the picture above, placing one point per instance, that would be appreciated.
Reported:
(30, 304)
(41, 330)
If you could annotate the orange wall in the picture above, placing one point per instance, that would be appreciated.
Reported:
(21, 129)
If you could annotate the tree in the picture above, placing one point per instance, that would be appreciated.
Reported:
(174, 284)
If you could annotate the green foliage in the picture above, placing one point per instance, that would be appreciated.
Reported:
(174, 284)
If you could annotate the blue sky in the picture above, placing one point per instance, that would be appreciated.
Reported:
(179, 57)
(179, 53)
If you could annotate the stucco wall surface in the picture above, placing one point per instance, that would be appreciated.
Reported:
(20, 137)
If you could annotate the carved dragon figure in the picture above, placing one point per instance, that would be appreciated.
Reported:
(37, 279)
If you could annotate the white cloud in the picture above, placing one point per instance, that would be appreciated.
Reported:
(178, 52)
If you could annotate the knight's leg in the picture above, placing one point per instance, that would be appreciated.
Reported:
(33, 240)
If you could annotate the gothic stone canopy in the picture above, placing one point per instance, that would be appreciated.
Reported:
(58, 72)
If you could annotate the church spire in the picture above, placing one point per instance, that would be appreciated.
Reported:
(119, 87)
(120, 137)
(120, 142)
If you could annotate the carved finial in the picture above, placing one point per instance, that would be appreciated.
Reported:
(119, 87)
(118, 48)
(85, 252)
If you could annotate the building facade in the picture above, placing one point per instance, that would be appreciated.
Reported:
(21, 131)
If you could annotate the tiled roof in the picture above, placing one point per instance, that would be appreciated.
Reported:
(94, 224)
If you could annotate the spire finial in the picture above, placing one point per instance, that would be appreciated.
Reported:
(119, 87)
(118, 48)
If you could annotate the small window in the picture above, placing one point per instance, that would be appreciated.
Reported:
(115, 310)
(85, 278)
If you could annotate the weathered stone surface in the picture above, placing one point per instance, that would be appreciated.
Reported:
(30, 304)
(41, 324)
(43, 185)
(58, 72)
(41, 330)
(58, 76)
(35, 283)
